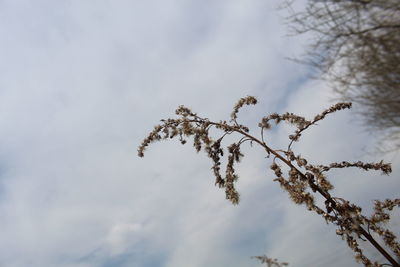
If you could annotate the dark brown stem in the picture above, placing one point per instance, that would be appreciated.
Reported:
(379, 248)
(316, 188)
(328, 197)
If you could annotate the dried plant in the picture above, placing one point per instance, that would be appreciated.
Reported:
(270, 262)
(303, 182)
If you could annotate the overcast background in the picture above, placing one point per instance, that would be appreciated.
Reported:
(83, 82)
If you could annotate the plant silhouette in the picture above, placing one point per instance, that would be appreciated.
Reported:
(302, 181)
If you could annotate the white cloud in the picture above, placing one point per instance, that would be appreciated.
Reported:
(83, 83)
(120, 235)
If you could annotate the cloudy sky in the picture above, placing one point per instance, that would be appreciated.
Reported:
(83, 82)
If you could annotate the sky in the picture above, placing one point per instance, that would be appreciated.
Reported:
(81, 85)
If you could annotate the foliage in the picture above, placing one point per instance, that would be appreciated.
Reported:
(303, 180)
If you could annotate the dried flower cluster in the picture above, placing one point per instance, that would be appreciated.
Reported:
(302, 182)
(270, 262)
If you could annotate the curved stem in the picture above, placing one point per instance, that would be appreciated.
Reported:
(316, 188)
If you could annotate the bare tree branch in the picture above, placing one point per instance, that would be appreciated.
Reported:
(356, 47)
